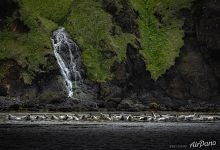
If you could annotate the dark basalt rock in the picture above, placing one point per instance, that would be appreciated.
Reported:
(123, 15)
(138, 76)
(7, 8)
(130, 105)
(11, 83)
(10, 103)
(194, 75)
(119, 71)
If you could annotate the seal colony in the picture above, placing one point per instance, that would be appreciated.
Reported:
(153, 117)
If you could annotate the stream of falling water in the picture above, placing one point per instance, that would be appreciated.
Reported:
(67, 54)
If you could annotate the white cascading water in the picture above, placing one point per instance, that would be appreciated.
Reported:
(64, 48)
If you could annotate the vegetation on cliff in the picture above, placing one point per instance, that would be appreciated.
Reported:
(161, 32)
(26, 36)
(91, 26)
(101, 40)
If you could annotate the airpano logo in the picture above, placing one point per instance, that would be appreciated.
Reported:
(202, 143)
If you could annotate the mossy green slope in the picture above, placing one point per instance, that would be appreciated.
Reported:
(161, 32)
(90, 27)
(54, 10)
(29, 48)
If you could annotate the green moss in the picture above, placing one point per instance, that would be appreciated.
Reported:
(89, 24)
(26, 76)
(29, 48)
(161, 32)
(54, 10)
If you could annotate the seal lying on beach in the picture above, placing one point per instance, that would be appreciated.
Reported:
(11, 117)
(41, 117)
(105, 117)
(53, 117)
(116, 117)
(65, 117)
(146, 117)
(186, 117)
(29, 118)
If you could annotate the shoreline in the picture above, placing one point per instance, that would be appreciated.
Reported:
(108, 117)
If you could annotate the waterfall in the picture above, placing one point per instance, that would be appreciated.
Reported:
(67, 54)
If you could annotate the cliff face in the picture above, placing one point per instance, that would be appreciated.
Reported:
(124, 80)
(195, 74)
(191, 84)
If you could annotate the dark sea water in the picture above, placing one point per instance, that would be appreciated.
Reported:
(107, 136)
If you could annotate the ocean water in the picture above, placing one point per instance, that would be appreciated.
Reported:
(107, 136)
